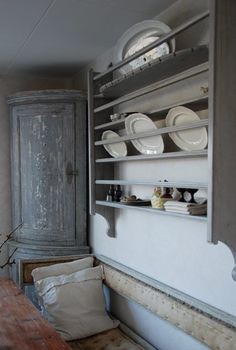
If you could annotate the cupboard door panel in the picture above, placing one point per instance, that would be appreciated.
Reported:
(44, 145)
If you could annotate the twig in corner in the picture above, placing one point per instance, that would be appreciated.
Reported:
(9, 235)
(9, 262)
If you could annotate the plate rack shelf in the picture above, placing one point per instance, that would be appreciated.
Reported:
(107, 91)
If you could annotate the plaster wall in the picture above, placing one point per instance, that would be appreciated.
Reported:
(9, 85)
(172, 250)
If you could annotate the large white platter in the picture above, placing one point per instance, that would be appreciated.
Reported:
(139, 36)
(137, 123)
(187, 140)
(114, 149)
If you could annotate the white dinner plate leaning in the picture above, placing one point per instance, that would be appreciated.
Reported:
(187, 140)
(139, 36)
(116, 150)
(137, 123)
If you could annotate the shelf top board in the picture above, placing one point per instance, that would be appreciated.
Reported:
(150, 209)
(158, 69)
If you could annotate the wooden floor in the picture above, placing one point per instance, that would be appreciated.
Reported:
(21, 325)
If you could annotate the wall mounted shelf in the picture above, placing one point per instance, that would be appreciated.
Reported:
(193, 64)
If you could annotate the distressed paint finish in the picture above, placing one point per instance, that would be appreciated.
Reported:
(210, 331)
(45, 135)
(49, 172)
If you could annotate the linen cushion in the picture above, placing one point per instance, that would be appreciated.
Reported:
(75, 303)
(62, 268)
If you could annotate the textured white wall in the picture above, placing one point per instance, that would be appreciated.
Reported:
(8, 86)
(171, 250)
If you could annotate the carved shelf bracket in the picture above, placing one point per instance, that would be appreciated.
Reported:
(108, 214)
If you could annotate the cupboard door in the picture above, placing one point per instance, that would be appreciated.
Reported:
(43, 180)
(222, 124)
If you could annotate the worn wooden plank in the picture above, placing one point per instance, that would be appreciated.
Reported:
(21, 325)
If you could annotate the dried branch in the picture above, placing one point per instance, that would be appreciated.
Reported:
(9, 262)
(9, 235)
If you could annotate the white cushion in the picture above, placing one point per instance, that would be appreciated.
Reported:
(75, 303)
(62, 268)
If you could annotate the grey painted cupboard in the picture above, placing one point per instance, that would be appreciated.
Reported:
(48, 173)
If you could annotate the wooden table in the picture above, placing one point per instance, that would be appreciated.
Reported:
(21, 325)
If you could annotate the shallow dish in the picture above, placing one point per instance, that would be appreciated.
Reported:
(116, 150)
(138, 123)
(187, 140)
(139, 36)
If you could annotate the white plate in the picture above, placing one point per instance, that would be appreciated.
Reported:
(187, 140)
(139, 36)
(137, 123)
(114, 149)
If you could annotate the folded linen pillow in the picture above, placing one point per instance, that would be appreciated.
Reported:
(62, 268)
(75, 303)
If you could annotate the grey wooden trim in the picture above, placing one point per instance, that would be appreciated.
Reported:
(176, 184)
(222, 141)
(206, 323)
(169, 155)
(192, 72)
(211, 111)
(45, 96)
(156, 132)
(81, 180)
(91, 143)
(198, 102)
(163, 39)
(168, 290)
(48, 248)
(150, 210)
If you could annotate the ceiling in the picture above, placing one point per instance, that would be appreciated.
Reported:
(59, 37)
